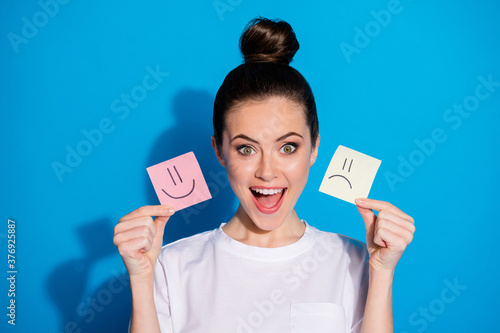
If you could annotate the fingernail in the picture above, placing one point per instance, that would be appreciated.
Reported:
(170, 210)
(360, 201)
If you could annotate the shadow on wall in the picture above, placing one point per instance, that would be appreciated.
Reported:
(108, 308)
(192, 132)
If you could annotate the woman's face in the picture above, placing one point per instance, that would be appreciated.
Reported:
(267, 152)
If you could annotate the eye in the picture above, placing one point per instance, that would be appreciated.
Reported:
(288, 148)
(246, 150)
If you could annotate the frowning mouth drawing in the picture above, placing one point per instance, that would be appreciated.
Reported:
(341, 176)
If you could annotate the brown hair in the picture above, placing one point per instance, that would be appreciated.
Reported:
(268, 46)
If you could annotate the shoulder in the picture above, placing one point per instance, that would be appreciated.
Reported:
(188, 246)
(347, 246)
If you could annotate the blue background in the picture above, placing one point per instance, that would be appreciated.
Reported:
(402, 75)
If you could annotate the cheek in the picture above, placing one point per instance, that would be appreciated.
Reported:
(238, 171)
(296, 170)
(300, 163)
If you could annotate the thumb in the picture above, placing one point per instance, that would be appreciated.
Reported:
(369, 218)
(160, 223)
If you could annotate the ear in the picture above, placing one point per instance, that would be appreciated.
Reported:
(217, 152)
(314, 153)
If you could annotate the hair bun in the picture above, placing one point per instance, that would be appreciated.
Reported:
(266, 40)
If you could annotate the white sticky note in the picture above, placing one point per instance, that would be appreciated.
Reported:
(350, 175)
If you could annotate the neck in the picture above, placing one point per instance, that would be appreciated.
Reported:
(243, 229)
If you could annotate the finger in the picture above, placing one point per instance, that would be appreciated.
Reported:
(123, 226)
(403, 223)
(401, 231)
(143, 231)
(133, 246)
(382, 205)
(155, 210)
(387, 238)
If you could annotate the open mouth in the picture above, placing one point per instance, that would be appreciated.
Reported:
(268, 199)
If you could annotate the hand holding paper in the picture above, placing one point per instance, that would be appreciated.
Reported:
(387, 234)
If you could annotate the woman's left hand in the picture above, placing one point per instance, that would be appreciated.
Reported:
(387, 234)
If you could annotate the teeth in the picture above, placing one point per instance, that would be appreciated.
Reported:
(266, 191)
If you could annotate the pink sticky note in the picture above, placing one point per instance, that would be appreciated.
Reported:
(179, 182)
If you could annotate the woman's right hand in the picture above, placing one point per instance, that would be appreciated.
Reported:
(139, 239)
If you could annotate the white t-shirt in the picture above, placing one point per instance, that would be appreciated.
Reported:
(210, 282)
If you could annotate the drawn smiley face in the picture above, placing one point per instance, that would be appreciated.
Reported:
(179, 182)
(342, 176)
(175, 184)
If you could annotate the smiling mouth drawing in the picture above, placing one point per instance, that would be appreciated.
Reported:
(182, 196)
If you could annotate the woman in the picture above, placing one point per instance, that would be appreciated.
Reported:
(265, 270)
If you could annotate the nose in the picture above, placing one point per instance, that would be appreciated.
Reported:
(266, 169)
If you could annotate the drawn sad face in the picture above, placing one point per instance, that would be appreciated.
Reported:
(350, 175)
(348, 170)
(179, 182)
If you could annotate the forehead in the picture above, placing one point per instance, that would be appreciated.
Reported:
(272, 115)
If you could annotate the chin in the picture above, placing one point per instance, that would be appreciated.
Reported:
(267, 224)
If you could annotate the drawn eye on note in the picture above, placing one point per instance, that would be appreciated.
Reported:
(179, 182)
(179, 178)
(350, 175)
(343, 177)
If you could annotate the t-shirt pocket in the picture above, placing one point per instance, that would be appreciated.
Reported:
(318, 318)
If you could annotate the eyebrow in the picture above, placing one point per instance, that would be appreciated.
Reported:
(243, 136)
(289, 134)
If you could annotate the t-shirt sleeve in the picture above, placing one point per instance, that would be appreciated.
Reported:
(162, 301)
(362, 292)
